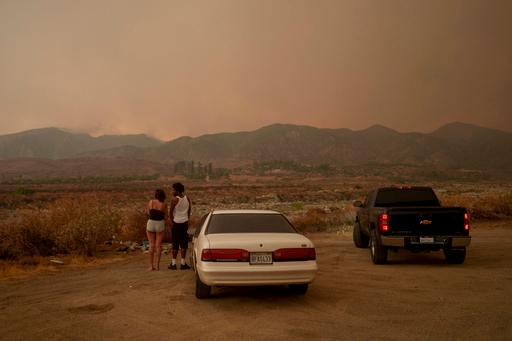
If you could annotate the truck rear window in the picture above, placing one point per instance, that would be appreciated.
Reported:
(249, 223)
(410, 197)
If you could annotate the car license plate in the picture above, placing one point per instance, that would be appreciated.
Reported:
(426, 240)
(261, 258)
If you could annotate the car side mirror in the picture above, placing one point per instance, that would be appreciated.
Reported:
(358, 203)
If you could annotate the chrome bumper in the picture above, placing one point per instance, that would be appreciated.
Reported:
(451, 241)
(240, 274)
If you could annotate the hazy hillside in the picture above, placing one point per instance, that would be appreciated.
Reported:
(455, 145)
(478, 147)
(54, 143)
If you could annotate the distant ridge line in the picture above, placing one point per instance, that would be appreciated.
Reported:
(454, 145)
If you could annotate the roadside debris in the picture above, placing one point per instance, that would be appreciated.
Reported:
(123, 248)
(57, 261)
(128, 246)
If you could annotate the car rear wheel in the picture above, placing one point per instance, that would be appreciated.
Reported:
(360, 239)
(202, 290)
(378, 252)
(299, 289)
(455, 256)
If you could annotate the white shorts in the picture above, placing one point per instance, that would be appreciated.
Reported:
(155, 225)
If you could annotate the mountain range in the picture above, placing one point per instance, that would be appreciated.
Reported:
(454, 146)
(55, 143)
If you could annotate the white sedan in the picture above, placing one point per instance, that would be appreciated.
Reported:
(251, 247)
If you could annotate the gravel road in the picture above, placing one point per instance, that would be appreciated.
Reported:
(416, 296)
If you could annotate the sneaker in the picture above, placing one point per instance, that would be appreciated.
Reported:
(184, 267)
(172, 267)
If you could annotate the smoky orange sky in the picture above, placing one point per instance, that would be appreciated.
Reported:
(185, 67)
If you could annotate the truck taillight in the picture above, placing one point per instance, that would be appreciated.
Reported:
(225, 255)
(466, 221)
(383, 222)
(294, 254)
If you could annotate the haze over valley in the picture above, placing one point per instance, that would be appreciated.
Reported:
(455, 146)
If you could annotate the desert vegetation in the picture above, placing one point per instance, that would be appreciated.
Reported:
(483, 207)
(73, 219)
(62, 227)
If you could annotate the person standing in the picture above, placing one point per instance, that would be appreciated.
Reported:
(179, 213)
(155, 226)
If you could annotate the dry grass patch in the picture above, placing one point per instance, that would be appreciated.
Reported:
(482, 207)
(62, 227)
(324, 219)
(133, 225)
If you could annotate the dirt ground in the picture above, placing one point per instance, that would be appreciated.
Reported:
(416, 296)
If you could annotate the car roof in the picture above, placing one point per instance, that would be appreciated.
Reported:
(244, 211)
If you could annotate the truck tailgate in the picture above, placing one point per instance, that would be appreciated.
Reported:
(418, 221)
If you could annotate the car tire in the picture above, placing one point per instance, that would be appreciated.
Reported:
(378, 252)
(455, 256)
(202, 290)
(360, 239)
(299, 289)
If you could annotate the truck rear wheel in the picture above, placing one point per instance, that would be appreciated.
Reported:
(360, 239)
(378, 251)
(455, 256)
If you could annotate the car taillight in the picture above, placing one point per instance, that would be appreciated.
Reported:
(466, 221)
(383, 222)
(294, 254)
(225, 255)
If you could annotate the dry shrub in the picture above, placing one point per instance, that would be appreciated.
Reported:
(65, 226)
(134, 225)
(84, 223)
(9, 248)
(489, 207)
(28, 235)
(318, 219)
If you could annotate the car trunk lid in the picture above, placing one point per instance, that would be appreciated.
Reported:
(258, 242)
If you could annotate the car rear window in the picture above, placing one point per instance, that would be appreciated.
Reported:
(249, 223)
(397, 197)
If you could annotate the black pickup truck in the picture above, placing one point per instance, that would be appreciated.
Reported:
(410, 218)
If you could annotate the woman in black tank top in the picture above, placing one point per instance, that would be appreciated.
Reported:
(155, 214)
(155, 228)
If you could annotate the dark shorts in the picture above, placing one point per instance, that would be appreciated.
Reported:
(179, 235)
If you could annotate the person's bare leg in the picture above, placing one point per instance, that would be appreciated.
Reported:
(183, 256)
(158, 249)
(151, 239)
